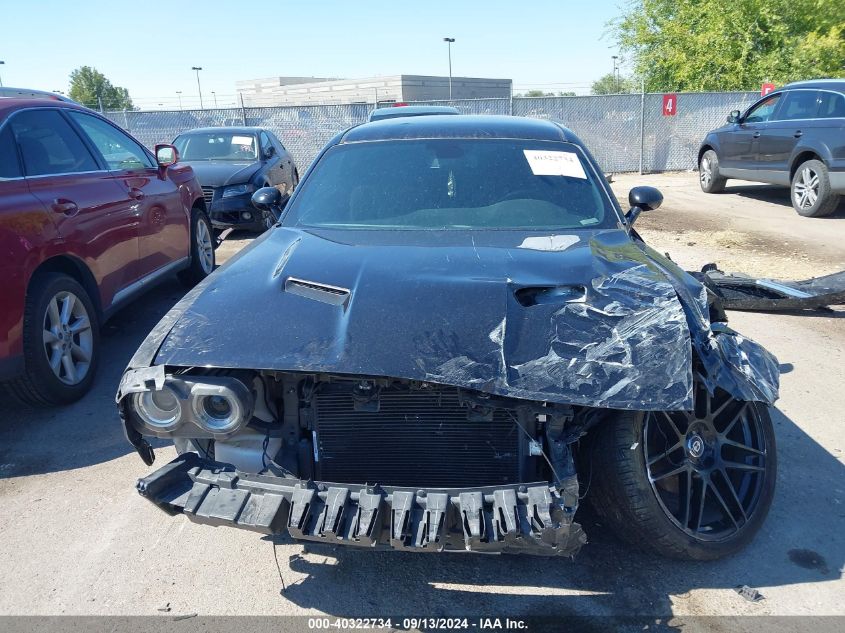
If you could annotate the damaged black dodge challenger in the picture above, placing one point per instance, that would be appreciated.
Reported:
(451, 337)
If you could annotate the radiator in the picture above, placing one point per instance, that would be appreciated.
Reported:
(416, 438)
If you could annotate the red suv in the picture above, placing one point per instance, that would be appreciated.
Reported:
(89, 218)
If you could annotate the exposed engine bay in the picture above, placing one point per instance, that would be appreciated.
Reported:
(469, 453)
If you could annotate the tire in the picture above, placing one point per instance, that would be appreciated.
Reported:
(267, 219)
(57, 306)
(630, 498)
(810, 190)
(202, 250)
(708, 173)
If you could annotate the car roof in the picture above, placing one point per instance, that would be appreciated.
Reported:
(825, 84)
(464, 126)
(8, 104)
(235, 129)
(29, 93)
(399, 111)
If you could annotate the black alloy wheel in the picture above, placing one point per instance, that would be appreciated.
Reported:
(692, 485)
(706, 467)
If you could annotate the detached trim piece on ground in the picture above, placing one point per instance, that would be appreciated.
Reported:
(741, 292)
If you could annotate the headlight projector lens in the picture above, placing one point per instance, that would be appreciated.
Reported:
(217, 407)
(217, 413)
(160, 410)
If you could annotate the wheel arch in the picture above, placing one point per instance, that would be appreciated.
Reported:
(802, 157)
(199, 203)
(705, 147)
(77, 270)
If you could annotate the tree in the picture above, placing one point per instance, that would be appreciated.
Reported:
(701, 45)
(90, 87)
(611, 85)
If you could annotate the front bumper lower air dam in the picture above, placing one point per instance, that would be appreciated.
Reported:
(520, 518)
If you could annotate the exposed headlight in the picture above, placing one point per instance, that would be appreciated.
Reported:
(160, 410)
(217, 413)
(238, 190)
(216, 406)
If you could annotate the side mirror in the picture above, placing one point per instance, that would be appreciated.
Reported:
(269, 200)
(269, 152)
(733, 117)
(166, 155)
(642, 199)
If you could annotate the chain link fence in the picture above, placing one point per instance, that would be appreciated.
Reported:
(624, 132)
(671, 142)
(609, 125)
(303, 130)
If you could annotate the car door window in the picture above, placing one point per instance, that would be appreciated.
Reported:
(762, 111)
(832, 105)
(265, 143)
(49, 145)
(118, 150)
(10, 166)
(799, 104)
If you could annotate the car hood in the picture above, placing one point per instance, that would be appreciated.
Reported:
(219, 174)
(587, 318)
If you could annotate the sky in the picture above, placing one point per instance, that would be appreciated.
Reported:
(149, 48)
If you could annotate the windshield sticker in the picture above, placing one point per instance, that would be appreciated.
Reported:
(241, 140)
(545, 163)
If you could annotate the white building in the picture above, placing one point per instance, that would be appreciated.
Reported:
(391, 89)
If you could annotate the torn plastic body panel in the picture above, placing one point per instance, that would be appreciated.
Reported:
(741, 292)
(740, 366)
(526, 518)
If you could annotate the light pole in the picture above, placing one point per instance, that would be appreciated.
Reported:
(199, 88)
(2, 63)
(449, 41)
(215, 98)
(179, 94)
(615, 70)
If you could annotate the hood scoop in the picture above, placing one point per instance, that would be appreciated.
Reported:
(545, 295)
(324, 293)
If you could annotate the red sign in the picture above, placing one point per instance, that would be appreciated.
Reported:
(670, 105)
(766, 89)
